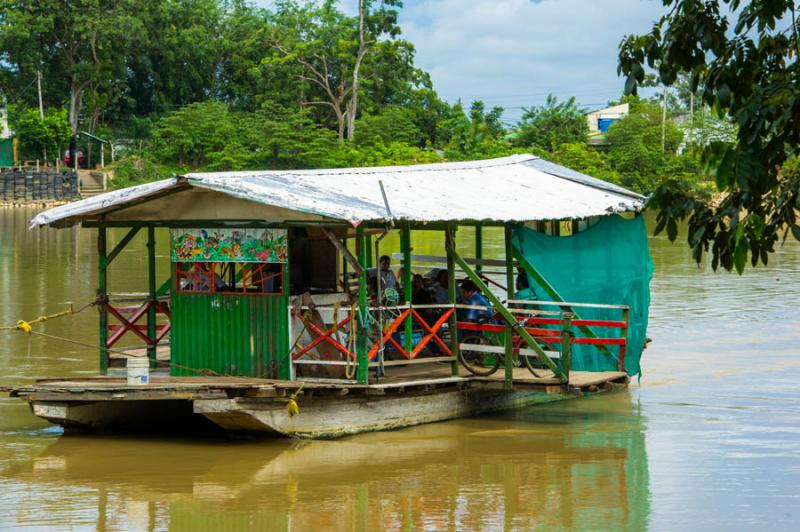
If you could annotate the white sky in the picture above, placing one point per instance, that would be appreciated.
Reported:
(513, 53)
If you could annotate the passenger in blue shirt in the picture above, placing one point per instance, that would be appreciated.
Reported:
(471, 296)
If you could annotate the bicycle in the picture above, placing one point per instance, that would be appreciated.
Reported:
(485, 362)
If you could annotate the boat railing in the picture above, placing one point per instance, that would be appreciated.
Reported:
(557, 327)
(327, 335)
(131, 308)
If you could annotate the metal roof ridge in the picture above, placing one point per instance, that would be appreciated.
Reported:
(367, 170)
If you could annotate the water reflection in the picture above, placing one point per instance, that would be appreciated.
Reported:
(719, 394)
(578, 464)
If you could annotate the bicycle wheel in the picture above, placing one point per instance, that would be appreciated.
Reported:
(530, 363)
(477, 362)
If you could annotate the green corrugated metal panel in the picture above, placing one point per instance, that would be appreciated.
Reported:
(6, 152)
(230, 334)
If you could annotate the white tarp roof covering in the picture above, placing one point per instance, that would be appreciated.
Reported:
(518, 188)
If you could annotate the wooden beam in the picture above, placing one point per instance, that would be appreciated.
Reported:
(351, 260)
(102, 295)
(439, 259)
(405, 246)
(151, 284)
(362, 357)
(121, 245)
(450, 242)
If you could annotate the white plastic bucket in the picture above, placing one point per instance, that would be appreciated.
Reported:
(138, 371)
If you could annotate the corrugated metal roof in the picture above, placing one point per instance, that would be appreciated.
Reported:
(516, 188)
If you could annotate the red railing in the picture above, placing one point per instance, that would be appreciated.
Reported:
(129, 316)
(563, 322)
(340, 351)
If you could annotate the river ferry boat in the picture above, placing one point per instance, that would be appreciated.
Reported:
(276, 317)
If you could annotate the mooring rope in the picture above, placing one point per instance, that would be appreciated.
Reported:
(26, 327)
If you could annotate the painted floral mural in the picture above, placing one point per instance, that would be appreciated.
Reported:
(229, 245)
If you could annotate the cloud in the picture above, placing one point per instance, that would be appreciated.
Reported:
(514, 52)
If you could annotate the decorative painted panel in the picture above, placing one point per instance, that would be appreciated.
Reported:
(229, 245)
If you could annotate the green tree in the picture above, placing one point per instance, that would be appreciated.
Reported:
(40, 139)
(635, 146)
(477, 136)
(552, 124)
(586, 159)
(175, 59)
(78, 47)
(199, 135)
(331, 49)
(393, 124)
(745, 59)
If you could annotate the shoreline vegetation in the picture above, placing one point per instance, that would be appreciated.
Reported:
(215, 86)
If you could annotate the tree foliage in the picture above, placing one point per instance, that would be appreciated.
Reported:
(40, 137)
(743, 59)
(552, 124)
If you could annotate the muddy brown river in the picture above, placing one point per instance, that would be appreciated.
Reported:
(708, 439)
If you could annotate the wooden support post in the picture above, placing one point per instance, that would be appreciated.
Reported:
(548, 288)
(405, 248)
(102, 296)
(503, 311)
(283, 360)
(566, 346)
(370, 247)
(362, 356)
(151, 288)
(509, 332)
(626, 316)
(450, 243)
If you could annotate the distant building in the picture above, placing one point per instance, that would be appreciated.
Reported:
(600, 120)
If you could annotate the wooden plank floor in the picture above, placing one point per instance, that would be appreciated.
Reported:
(397, 377)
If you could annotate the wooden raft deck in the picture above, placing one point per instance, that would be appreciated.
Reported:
(399, 380)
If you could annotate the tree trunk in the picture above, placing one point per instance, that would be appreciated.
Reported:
(352, 107)
(75, 103)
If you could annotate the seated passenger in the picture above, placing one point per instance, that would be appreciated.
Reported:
(421, 296)
(524, 290)
(471, 296)
(440, 291)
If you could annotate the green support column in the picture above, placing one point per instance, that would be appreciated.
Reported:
(478, 246)
(151, 288)
(283, 360)
(370, 247)
(509, 332)
(102, 295)
(405, 247)
(363, 252)
(450, 243)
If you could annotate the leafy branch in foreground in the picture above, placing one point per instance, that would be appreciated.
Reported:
(749, 72)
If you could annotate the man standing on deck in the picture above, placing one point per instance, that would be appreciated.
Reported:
(389, 278)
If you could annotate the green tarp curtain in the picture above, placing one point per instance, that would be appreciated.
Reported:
(609, 263)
